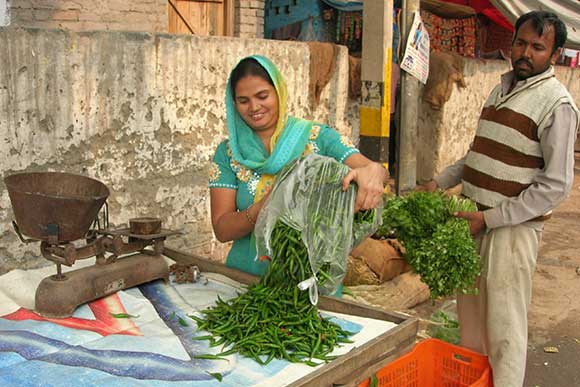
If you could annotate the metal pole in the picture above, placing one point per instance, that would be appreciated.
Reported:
(406, 174)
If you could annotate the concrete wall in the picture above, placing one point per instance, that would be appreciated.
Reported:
(82, 15)
(249, 18)
(141, 112)
(444, 136)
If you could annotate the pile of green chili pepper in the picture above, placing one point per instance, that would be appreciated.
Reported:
(289, 262)
(274, 319)
(271, 322)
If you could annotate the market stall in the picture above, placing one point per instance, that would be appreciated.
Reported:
(115, 314)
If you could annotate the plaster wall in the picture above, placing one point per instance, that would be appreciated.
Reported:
(444, 136)
(140, 112)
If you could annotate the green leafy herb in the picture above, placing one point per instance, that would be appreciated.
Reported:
(438, 245)
(445, 328)
(182, 322)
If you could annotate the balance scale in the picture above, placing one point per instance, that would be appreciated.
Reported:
(61, 211)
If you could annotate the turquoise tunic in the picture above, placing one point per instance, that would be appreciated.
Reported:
(225, 172)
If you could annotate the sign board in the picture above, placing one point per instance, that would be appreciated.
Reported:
(416, 58)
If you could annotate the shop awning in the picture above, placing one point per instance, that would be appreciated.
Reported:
(509, 11)
(567, 10)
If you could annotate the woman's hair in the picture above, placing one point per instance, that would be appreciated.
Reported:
(248, 66)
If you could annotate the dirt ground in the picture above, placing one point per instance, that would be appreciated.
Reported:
(554, 317)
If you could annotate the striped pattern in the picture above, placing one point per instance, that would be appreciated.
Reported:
(500, 170)
(506, 188)
(510, 118)
(508, 137)
(506, 154)
(481, 196)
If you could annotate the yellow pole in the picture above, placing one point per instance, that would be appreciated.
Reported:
(376, 101)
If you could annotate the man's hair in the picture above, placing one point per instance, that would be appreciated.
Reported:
(542, 19)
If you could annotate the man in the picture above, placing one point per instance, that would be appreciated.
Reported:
(520, 166)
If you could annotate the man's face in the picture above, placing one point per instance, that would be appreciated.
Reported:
(532, 53)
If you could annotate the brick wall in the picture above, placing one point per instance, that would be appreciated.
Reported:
(80, 15)
(249, 19)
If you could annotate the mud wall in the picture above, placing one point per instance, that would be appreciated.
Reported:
(140, 112)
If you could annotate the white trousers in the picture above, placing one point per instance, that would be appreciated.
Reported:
(495, 321)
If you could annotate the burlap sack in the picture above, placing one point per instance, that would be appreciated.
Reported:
(383, 257)
(322, 64)
(445, 70)
(402, 292)
(358, 273)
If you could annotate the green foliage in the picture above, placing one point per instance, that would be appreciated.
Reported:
(446, 329)
(413, 217)
(438, 245)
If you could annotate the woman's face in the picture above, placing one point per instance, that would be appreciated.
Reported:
(257, 103)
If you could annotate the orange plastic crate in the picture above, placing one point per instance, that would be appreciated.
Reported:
(435, 363)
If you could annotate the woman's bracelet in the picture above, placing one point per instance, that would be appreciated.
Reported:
(251, 220)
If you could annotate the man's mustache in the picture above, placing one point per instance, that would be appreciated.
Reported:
(522, 60)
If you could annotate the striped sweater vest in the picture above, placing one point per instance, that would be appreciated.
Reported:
(506, 154)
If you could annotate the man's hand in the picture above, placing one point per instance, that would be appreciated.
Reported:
(430, 186)
(475, 219)
(370, 180)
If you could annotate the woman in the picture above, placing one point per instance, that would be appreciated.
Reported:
(262, 140)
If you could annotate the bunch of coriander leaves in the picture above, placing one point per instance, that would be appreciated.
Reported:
(438, 245)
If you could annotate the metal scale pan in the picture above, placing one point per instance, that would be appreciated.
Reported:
(55, 207)
(59, 208)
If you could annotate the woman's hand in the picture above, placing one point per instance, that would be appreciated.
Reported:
(370, 177)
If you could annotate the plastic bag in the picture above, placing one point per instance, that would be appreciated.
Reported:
(308, 197)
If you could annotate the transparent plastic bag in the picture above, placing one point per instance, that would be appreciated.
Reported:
(308, 197)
